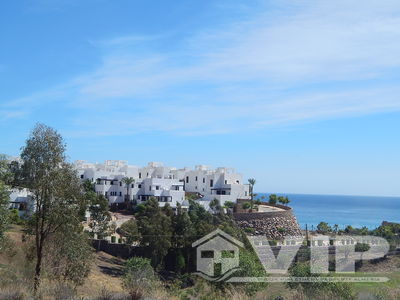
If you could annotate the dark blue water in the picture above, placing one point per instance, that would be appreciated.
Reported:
(356, 211)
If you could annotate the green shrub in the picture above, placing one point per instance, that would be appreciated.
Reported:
(139, 277)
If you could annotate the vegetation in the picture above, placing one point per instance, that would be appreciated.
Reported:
(139, 277)
(273, 199)
(331, 290)
(283, 200)
(155, 228)
(58, 198)
(252, 182)
(55, 251)
(323, 228)
(129, 230)
(128, 182)
(4, 194)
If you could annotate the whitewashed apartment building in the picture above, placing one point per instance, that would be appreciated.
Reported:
(166, 184)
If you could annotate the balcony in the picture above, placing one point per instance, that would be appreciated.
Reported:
(221, 191)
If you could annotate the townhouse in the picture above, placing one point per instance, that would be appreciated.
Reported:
(166, 184)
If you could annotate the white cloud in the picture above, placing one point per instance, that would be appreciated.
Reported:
(286, 64)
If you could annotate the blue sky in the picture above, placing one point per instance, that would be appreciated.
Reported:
(301, 95)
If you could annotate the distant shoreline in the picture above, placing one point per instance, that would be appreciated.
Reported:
(343, 210)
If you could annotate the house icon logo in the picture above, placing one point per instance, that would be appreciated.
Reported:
(217, 255)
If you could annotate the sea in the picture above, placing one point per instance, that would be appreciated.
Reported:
(357, 211)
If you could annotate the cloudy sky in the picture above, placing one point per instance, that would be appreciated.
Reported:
(302, 95)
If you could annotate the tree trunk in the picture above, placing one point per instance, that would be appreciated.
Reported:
(38, 267)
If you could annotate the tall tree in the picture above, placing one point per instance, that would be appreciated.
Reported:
(183, 228)
(155, 228)
(252, 182)
(55, 188)
(129, 230)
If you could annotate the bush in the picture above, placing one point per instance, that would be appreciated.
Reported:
(249, 230)
(15, 218)
(139, 277)
(333, 290)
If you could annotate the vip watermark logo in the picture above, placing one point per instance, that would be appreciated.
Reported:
(218, 257)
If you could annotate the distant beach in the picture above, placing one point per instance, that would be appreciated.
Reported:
(356, 211)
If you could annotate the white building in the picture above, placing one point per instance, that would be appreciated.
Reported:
(166, 184)
(21, 200)
(222, 184)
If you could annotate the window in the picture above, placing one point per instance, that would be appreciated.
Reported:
(226, 181)
(196, 178)
(120, 183)
(139, 186)
(132, 185)
(105, 193)
(245, 193)
(120, 193)
(187, 179)
(140, 175)
(211, 183)
(204, 180)
(157, 187)
(149, 188)
(82, 176)
(207, 254)
(237, 181)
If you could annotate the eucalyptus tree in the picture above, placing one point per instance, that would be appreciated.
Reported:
(56, 191)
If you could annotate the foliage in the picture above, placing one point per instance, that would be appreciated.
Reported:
(252, 182)
(128, 181)
(129, 230)
(183, 228)
(249, 230)
(229, 204)
(68, 255)
(203, 221)
(250, 266)
(283, 200)
(246, 205)
(14, 217)
(215, 206)
(155, 229)
(272, 199)
(55, 188)
(139, 277)
(324, 228)
(334, 290)
(4, 196)
(362, 247)
(99, 214)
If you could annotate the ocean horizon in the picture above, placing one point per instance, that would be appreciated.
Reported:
(343, 210)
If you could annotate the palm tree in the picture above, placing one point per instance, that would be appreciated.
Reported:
(336, 228)
(128, 181)
(252, 182)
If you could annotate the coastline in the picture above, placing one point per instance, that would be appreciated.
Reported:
(343, 210)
